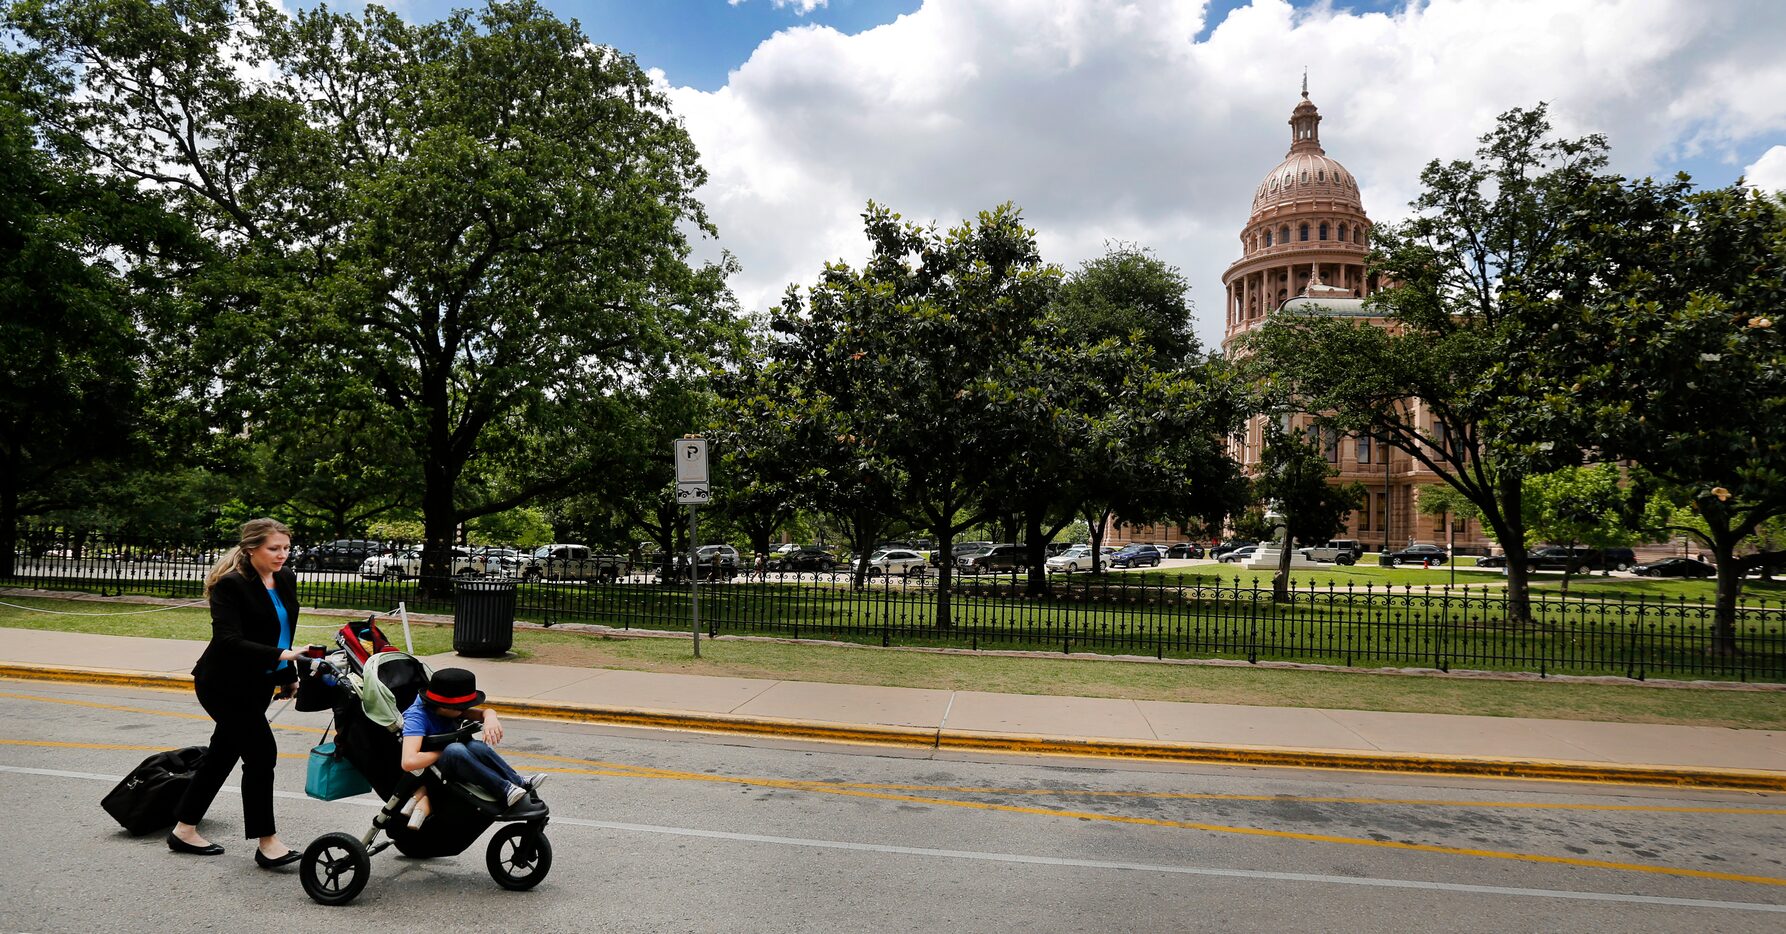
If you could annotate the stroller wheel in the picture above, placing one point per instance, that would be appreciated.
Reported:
(335, 868)
(519, 856)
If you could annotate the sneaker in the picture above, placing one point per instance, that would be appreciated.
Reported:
(516, 793)
(538, 779)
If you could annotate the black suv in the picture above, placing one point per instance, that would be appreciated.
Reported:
(345, 554)
(804, 558)
(996, 558)
(1417, 554)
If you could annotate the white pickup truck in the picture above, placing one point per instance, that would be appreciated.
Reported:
(569, 563)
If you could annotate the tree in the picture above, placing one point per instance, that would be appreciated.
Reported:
(1114, 413)
(481, 219)
(79, 255)
(896, 361)
(1294, 477)
(1473, 275)
(1678, 363)
(1580, 507)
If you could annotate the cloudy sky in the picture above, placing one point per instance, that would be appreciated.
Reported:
(1152, 121)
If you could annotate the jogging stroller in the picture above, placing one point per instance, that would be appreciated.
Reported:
(374, 684)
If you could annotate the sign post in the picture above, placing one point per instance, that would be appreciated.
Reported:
(690, 453)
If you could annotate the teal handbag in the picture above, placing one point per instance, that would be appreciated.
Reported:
(331, 776)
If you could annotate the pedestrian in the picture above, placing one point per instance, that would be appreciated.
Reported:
(254, 613)
(762, 567)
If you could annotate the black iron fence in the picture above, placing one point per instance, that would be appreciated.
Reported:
(1342, 621)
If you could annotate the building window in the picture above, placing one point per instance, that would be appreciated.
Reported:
(1268, 238)
(1321, 175)
(1358, 234)
(1305, 176)
(1283, 234)
(1362, 449)
(1441, 441)
(1342, 233)
(1304, 232)
(1323, 230)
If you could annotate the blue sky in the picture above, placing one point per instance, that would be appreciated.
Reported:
(1133, 121)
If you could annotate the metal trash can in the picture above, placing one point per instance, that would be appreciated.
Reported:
(1383, 559)
(483, 617)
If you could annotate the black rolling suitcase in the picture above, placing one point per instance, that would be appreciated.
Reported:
(144, 801)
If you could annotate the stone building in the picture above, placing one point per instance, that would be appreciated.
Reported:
(1304, 246)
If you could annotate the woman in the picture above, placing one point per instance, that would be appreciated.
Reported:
(254, 612)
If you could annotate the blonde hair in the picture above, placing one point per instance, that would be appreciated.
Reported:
(255, 533)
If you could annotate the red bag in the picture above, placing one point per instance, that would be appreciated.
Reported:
(362, 641)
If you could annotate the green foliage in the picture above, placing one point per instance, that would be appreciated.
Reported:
(1475, 275)
(521, 528)
(1293, 477)
(472, 233)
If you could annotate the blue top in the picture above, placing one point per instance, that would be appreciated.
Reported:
(284, 629)
(421, 720)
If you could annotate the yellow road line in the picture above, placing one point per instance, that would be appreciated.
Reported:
(622, 770)
(1242, 831)
(177, 714)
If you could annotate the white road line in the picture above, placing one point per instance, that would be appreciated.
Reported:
(367, 801)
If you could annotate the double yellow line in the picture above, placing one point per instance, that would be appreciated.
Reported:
(905, 794)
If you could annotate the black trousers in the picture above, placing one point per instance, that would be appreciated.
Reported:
(243, 734)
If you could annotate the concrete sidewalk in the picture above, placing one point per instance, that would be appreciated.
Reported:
(1301, 737)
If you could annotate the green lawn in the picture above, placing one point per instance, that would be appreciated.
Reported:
(1071, 676)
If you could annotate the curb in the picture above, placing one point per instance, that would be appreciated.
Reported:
(970, 741)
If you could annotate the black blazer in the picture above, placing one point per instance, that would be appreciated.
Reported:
(245, 631)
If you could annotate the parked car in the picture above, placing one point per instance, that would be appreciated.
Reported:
(1558, 558)
(960, 548)
(1222, 548)
(1136, 555)
(1185, 550)
(1237, 555)
(1417, 554)
(803, 558)
(1675, 567)
(505, 562)
(1340, 551)
(892, 561)
(560, 562)
(396, 566)
(1492, 561)
(994, 559)
(718, 560)
(345, 554)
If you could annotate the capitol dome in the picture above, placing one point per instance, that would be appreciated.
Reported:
(1303, 176)
(1307, 235)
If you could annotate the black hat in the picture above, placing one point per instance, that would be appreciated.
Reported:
(453, 687)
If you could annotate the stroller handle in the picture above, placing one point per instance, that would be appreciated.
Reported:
(434, 742)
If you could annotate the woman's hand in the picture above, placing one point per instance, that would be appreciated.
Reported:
(291, 655)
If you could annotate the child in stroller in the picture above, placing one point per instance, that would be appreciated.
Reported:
(370, 687)
(451, 697)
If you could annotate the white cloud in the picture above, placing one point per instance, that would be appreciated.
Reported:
(1769, 172)
(801, 7)
(1103, 119)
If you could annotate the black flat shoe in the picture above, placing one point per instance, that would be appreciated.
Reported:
(181, 846)
(274, 862)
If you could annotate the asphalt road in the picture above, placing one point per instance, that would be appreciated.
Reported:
(677, 832)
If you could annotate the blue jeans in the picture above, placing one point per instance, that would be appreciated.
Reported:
(475, 762)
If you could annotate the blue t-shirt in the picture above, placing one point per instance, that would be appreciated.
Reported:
(421, 720)
(284, 629)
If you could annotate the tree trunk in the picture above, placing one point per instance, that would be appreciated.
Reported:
(439, 519)
(945, 572)
(1096, 523)
(1280, 582)
(1038, 554)
(9, 526)
(1730, 586)
(1510, 528)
